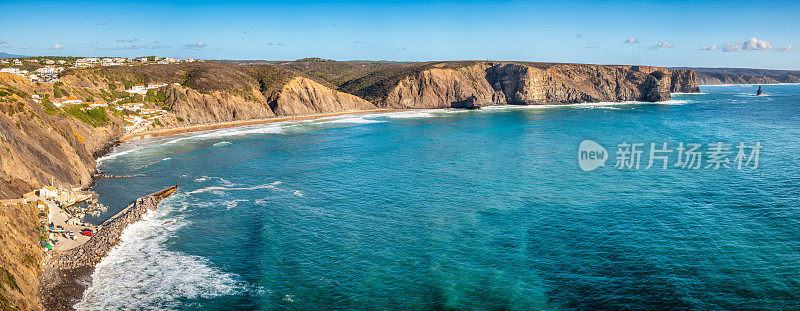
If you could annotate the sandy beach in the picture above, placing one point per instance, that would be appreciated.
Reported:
(221, 125)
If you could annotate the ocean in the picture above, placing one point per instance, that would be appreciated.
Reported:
(469, 210)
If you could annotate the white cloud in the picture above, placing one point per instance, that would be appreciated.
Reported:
(751, 44)
(662, 45)
(126, 40)
(710, 48)
(732, 47)
(786, 49)
(195, 46)
(3, 41)
(25, 47)
(631, 41)
(125, 47)
(57, 47)
(758, 45)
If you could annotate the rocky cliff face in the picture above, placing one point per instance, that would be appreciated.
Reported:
(303, 96)
(515, 83)
(20, 257)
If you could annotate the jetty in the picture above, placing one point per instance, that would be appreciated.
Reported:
(67, 274)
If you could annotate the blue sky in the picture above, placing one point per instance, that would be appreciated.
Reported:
(664, 33)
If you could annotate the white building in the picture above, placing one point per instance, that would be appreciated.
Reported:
(138, 89)
(50, 192)
(16, 71)
(71, 100)
(151, 86)
(50, 69)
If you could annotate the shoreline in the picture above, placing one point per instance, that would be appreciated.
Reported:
(229, 124)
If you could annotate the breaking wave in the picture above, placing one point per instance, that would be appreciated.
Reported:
(142, 274)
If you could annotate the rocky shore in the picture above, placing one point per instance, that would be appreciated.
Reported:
(67, 274)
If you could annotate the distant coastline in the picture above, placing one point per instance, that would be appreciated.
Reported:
(744, 84)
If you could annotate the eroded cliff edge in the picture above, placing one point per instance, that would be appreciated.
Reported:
(484, 84)
(41, 143)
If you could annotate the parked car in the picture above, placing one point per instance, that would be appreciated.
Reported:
(87, 232)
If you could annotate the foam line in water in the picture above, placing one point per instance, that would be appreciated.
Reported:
(353, 120)
(229, 187)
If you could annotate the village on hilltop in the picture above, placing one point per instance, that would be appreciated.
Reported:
(47, 69)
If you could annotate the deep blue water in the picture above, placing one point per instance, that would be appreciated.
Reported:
(480, 210)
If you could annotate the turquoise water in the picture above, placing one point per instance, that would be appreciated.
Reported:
(468, 210)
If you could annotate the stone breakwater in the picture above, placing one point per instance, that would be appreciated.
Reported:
(67, 274)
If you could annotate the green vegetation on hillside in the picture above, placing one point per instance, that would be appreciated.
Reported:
(95, 117)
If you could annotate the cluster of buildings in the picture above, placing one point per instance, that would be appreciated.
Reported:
(142, 89)
(50, 71)
(121, 61)
(146, 117)
(43, 74)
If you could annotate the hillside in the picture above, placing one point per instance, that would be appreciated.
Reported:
(744, 75)
(20, 233)
(42, 142)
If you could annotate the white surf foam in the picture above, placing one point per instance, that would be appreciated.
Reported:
(354, 120)
(230, 187)
(672, 102)
(142, 274)
(220, 144)
(114, 154)
(410, 114)
(270, 128)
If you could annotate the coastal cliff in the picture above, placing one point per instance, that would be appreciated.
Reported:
(487, 84)
(43, 144)
(743, 75)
